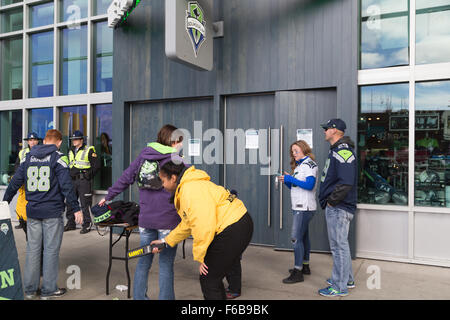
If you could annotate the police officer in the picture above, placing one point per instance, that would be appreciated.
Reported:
(83, 164)
(21, 211)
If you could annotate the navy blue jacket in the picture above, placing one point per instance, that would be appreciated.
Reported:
(339, 177)
(47, 183)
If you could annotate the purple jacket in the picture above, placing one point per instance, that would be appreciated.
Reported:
(156, 212)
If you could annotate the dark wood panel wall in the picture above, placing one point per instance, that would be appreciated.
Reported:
(268, 46)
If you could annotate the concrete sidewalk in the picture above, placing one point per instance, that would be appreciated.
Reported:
(263, 270)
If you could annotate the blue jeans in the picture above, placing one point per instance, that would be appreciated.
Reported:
(47, 233)
(300, 236)
(338, 224)
(166, 259)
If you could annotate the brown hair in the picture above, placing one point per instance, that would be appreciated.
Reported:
(167, 135)
(306, 149)
(53, 135)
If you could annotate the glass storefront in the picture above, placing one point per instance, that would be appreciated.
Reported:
(384, 33)
(103, 145)
(432, 144)
(41, 15)
(432, 31)
(101, 6)
(8, 2)
(10, 143)
(40, 121)
(74, 60)
(41, 64)
(73, 10)
(71, 119)
(11, 66)
(103, 65)
(11, 20)
(383, 144)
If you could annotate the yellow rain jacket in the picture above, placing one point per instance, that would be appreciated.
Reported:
(21, 207)
(205, 208)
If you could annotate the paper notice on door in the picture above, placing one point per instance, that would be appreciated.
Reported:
(251, 139)
(305, 135)
(194, 147)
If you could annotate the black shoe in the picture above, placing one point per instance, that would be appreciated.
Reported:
(85, 230)
(19, 226)
(69, 227)
(305, 269)
(295, 276)
(58, 293)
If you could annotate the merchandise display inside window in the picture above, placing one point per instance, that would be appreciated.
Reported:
(10, 143)
(432, 143)
(71, 119)
(383, 144)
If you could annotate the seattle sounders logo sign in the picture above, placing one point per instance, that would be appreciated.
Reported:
(195, 25)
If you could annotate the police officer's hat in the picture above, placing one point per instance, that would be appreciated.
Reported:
(77, 135)
(335, 123)
(32, 135)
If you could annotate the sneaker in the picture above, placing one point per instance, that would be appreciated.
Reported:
(69, 227)
(31, 296)
(331, 292)
(58, 293)
(85, 230)
(232, 295)
(305, 270)
(350, 284)
(295, 276)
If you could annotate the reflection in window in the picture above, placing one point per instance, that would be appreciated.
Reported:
(71, 119)
(41, 56)
(8, 2)
(74, 60)
(383, 144)
(40, 121)
(11, 66)
(432, 31)
(41, 15)
(103, 57)
(10, 143)
(12, 20)
(101, 6)
(73, 10)
(432, 154)
(384, 33)
(103, 145)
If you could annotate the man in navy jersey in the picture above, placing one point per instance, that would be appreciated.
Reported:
(45, 174)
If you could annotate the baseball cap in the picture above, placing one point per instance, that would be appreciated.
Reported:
(335, 123)
(32, 135)
(76, 135)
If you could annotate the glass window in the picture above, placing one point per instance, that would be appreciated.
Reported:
(41, 15)
(40, 121)
(432, 31)
(74, 60)
(11, 66)
(432, 143)
(103, 57)
(71, 119)
(101, 6)
(384, 33)
(8, 2)
(10, 143)
(12, 20)
(383, 144)
(73, 10)
(41, 56)
(103, 145)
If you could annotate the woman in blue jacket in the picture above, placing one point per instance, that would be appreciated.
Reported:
(302, 183)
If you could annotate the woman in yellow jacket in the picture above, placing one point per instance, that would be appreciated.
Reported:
(217, 220)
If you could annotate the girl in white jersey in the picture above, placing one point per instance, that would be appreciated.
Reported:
(302, 183)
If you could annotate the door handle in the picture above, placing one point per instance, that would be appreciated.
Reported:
(281, 170)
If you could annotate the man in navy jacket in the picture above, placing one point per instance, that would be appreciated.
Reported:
(45, 173)
(338, 196)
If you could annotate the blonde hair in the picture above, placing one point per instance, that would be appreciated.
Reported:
(306, 149)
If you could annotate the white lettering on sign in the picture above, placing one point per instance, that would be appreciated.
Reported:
(117, 10)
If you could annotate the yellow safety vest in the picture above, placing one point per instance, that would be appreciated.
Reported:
(81, 159)
(23, 153)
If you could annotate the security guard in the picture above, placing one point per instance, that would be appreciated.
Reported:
(21, 207)
(83, 164)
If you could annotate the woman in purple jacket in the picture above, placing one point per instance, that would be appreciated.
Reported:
(157, 215)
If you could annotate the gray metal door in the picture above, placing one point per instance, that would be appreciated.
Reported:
(305, 109)
(242, 170)
(194, 115)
